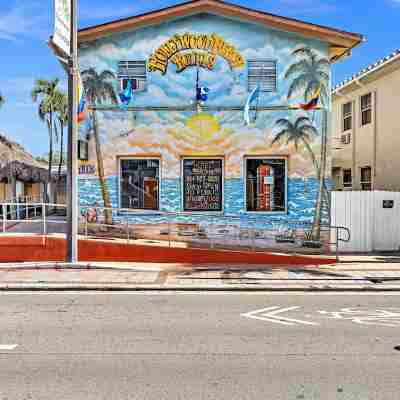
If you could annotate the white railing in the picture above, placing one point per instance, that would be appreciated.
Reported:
(173, 229)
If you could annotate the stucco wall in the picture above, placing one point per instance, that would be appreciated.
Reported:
(362, 151)
(170, 133)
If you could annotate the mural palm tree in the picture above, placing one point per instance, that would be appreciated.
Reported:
(301, 132)
(308, 74)
(98, 90)
(47, 93)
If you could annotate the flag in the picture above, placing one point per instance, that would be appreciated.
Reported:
(81, 100)
(313, 103)
(253, 96)
(127, 95)
(202, 93)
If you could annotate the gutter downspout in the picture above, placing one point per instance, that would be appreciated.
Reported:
(374, 161)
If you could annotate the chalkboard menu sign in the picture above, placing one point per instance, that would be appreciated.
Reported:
(202, 185)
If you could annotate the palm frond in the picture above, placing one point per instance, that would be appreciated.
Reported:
(297, 84)
(284, 122)
(300, 121)
(280, 135)
(106, 74)
(309, 130)
(323, 63)
(299, 67)
(323, 75)
(304, 51)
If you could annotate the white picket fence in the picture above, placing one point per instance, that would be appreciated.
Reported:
(372, 217)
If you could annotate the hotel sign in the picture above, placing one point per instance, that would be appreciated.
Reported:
(62, 25)
(194, 50)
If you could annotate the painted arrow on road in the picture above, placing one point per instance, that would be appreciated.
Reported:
(273, 314)
(6, 347)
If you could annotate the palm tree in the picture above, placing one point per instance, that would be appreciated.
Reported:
(2, 100)
(301, 132)
(309, 73)
(99, 89)
(62, 119)
(48, 95)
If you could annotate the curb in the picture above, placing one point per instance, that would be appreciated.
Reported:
(182, 288)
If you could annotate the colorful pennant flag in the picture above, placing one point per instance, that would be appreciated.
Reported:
(127, 95)
(81, 101)
(202, 93)
(313, 103)
(252, 97)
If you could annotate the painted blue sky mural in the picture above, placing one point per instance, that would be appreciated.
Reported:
(26, 24)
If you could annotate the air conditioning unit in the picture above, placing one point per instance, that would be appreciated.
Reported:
(346, 138)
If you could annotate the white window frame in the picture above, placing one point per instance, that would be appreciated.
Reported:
(140, 210)
(275, 62)
(351, 182)
(199, 212)
(269, 157)
(365, 182)
(347, 115)
(368, 108)
(144, 79)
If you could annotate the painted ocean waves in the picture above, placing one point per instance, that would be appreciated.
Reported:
(302, 194)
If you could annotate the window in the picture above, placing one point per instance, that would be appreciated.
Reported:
(134, 71)
(262, 73)
(366, 109)
(83, 150)
(366, 178)
(347, 117)
(347, 179)
(346, 138)
(265, 184)
(202, 184)
(139, 183)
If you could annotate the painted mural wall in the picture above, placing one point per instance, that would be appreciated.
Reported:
(162, 121)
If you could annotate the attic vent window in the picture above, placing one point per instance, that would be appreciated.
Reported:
(262, 73)
(134, 71)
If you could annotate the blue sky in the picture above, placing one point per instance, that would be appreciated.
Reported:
(26, 24)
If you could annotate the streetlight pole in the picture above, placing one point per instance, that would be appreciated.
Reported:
(72, 183)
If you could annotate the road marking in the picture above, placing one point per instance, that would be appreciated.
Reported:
(270, 314)
(383, 317)
(6, 347)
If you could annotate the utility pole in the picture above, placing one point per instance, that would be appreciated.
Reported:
(72, 183)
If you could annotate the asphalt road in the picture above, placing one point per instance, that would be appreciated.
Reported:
(199, 346)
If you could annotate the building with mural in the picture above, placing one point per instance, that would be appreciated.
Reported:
(209, 110)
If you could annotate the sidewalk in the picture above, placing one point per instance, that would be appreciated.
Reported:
(349, 276)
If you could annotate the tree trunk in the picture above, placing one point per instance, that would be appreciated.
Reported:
(100, 171)
(50, 127)
(316, 232)
(61, 150)
(317, 169)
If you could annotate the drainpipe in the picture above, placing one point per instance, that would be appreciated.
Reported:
(375, 140)
(374, 160)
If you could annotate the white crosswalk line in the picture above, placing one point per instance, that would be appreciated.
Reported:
(8, 346)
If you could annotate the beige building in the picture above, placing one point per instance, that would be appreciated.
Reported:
(366, 130)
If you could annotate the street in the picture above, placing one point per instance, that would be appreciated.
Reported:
(199, 346)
